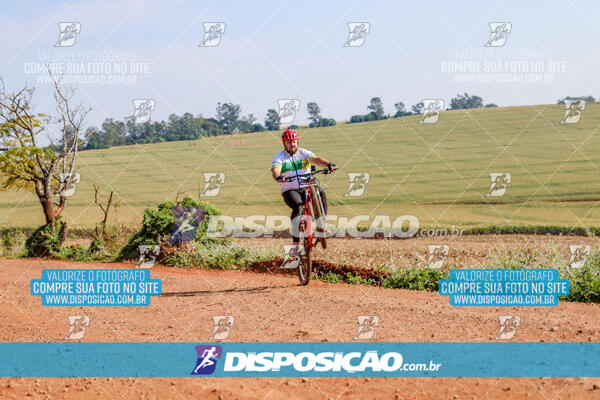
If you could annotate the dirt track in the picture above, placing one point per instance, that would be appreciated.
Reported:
(274, 308)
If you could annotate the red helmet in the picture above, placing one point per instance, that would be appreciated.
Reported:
(290, 134)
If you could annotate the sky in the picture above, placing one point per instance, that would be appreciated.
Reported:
(272, 50)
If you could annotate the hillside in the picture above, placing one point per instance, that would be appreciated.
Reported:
(437, 172)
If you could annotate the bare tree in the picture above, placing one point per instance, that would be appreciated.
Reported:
(105, 210)
(26, 165)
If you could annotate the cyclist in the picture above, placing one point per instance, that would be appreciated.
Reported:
(290, 162)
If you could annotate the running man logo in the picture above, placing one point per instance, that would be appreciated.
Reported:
(431, 111)
(357, 33)
(77, 325)
(212, 183)
(573, 111)
(142, 110)
(212, 34)
(358, 183)
(223, 325)
(68, 32)
(508, 326)
(437, 255)
(579, 255)
(291, 258)
(207, 359)
(287, 110)
(186, 223)
(498, 34)
(499, 183)
(148, 254)
(366, 326)
(68, 183)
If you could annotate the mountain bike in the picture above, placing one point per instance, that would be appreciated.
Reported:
(312, 211)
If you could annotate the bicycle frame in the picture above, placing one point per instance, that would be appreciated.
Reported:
(308, 218)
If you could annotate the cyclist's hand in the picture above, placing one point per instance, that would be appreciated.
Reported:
(280, 178)
(332, 167)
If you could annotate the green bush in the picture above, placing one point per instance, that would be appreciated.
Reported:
(358, 280)
(43, 241)
(12, 241)
(330, 277)
(415, 279)
(158, 223)
(584, 281)
(225, 256)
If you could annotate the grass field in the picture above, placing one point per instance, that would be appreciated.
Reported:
(437, 172)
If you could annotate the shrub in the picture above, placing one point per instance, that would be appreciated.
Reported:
(43, 241)
(330, 277)
(158, 223)
(415, 279)
(357, 279)
(224, 256)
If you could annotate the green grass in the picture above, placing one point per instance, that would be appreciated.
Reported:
(437, 172)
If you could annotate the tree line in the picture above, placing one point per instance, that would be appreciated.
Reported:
(229, 119)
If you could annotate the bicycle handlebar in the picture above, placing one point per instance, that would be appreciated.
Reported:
(310, 174)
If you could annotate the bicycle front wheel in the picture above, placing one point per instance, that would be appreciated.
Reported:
(305, 267)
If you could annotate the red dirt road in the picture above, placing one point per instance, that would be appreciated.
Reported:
(274, 308)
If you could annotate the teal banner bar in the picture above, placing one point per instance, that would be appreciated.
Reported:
(300, 359)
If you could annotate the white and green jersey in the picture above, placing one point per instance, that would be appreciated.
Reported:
(297, 163)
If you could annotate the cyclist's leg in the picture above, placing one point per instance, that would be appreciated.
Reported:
(294, 200)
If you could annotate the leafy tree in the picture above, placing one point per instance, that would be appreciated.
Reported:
(357, 118)
(376, 107)
(228, 115)
(314, 112)
(490, 105)
(418, 108)
(461, 102)
(26, 165)
(293, 126)
(401, 110)
(272, 120)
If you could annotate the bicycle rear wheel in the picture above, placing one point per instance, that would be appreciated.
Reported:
(319, 216)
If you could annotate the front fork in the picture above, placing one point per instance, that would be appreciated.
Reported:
(307, 220)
